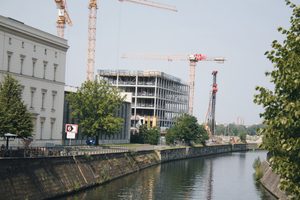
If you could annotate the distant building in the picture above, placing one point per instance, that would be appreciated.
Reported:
(157, 97)
(239, 121)
(80, 139)
(38, 60)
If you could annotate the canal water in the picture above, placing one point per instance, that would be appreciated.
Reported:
(222, 176)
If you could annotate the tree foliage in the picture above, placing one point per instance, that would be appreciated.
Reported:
(14, 114)
(243, 136)
(282, 106)
(186, 129)
(146, 135)
(95, 105)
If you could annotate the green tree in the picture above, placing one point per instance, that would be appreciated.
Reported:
(243, 136)
(282, 107)
(149, 135)
(202, 135)
(95, 105)
(145, 135)
(220, 130)
(14, 114)
(252, 130)
(186, 129)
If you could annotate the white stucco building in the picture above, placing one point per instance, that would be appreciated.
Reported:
(38, 60)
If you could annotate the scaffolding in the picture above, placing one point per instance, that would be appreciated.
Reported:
(157, 97)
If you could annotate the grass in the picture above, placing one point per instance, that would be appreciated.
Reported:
(76, 187)
(127, 158)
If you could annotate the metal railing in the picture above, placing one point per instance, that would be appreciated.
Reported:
(69, 150)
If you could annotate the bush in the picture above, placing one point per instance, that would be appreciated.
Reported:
(257, 163)
(87, 156)
(258, 174)
(132, 152)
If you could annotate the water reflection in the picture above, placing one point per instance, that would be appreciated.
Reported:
(222, 176)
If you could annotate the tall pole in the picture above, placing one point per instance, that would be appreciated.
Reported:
(214, 96)
(192, 85)
(91, 40)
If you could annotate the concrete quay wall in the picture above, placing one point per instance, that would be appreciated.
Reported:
(49, 177)
(271, 180)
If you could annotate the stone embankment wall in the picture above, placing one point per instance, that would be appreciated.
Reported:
(271, 180)
(48, 177)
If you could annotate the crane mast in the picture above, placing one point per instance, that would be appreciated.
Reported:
(193, 58)
(213, 104)
(63, 17)
(92, 31)
(91, 40)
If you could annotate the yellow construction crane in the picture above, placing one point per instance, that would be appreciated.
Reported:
(193, 58)
(63, 17)
(92, 31)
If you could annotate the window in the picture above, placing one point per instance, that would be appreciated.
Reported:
(33, 65)
(42, 126)
(9, 41)
(9, 54)
(8, 62)
(31, 101)
(22, 88)
(45, 51)
(52, 128)
(51, 131)
(32, 90)
(43, 98)
(23, 45)
(22, 63)
(42, 120)
(45, 65)
(34, 48)
(55, 54)
(55, 69)
(53, 99)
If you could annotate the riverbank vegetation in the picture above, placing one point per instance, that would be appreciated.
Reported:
(15, 117)
(258, 173)
(146, 135)
(94, 105)
(187, 129)
(235, 130)
(282, 106)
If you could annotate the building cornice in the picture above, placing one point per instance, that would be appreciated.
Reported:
(34, 78)
(33, 34)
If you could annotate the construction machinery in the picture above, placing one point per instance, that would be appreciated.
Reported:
(63, 17)
(210, 122)
(193, 58)
(92, 31)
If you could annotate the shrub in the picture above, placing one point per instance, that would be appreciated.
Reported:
(87, 156)
(132, 152)
(231, 145)
(258, 174)
(76, 187)
(257, 163)
(105, 172)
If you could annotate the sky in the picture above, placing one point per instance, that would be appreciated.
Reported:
(239, 31)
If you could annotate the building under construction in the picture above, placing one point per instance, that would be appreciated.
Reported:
(157, 97)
